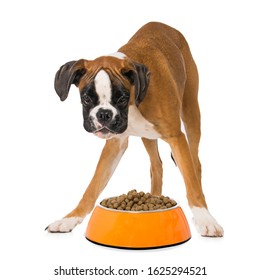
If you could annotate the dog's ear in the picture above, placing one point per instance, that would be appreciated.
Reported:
(68, 74)
(139, 76)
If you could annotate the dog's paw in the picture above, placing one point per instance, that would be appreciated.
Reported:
(206, 224)
(64, 225)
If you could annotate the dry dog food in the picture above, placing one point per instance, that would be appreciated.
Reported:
(138, 201)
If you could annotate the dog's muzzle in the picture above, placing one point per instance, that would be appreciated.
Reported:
(105, 124)
(104, 116)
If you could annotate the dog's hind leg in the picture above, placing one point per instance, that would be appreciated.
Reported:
(109, 159)
(151, 147)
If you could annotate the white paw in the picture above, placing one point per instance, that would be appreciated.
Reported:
(64, 225)
(205, 223)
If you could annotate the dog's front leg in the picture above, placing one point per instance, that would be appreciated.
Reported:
(204, 221)
(109, 159)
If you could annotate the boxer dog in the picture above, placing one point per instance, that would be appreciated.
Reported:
(147, 89)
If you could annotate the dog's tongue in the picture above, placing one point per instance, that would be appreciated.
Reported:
(102, 133)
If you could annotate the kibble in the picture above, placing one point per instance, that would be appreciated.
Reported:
(138, 201)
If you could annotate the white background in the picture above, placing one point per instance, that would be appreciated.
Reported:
(47, 158)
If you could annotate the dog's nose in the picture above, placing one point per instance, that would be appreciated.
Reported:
(104, 116)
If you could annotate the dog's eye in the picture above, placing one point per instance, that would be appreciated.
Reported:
(123, 101)
(86, 100)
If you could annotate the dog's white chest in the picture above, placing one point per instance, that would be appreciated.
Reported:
(139, 126)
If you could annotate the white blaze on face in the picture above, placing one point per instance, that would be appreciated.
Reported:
(103, 88)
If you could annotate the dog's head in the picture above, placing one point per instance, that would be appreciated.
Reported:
(107, 85)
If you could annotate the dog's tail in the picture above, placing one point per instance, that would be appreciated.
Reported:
(173, 159)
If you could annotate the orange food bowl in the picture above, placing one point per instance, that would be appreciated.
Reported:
(138, 229)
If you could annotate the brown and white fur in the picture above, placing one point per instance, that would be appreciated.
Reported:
(147, 89)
